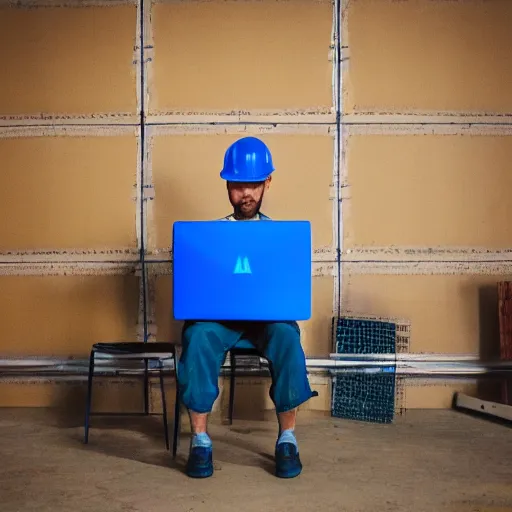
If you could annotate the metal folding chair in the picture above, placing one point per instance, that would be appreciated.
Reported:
(152, 351)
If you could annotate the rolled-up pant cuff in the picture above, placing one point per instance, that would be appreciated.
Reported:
(205, 409)
(289, 407)
(198, 409)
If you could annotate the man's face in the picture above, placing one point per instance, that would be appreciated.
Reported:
(246, 198)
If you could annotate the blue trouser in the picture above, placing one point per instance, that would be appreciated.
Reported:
(204, 349)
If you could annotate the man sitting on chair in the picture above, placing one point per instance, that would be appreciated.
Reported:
(247, 170)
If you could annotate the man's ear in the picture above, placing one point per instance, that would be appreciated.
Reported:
(267, 182)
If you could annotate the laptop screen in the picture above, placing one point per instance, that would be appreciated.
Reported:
(242, 270)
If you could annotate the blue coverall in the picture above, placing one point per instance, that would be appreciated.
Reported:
(206, 343)
(204, 348)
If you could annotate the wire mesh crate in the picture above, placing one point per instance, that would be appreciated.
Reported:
(363, 394)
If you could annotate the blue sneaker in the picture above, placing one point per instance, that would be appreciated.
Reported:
(288, 463)
(200, 462)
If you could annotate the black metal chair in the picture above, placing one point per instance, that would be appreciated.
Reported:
(243, 348)
(151, 351)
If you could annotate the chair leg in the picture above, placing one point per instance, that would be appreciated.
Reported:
(177, 412)
(89, 398)
(146, 388)
(164, 404)
(232, 387)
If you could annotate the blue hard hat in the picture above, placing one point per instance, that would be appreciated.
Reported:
(247, 160)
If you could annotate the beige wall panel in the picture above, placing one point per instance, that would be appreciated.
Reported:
(242, 55)
(72, 192)
(68, 60)
(188, 186)
(27, 394)
(68, 398)
(316, 333)
(437, 396)
(448, 313)
(168, 328)
(65, 315)
(423, 55)
(428, 190)
(251, 398)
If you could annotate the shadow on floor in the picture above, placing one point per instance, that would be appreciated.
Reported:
(141, 439)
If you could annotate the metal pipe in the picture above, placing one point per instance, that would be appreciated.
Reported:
(401, 364)
(333, 359)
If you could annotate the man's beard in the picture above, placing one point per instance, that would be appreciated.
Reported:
(242, 213)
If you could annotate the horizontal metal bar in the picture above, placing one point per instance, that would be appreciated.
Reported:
(413, 380)
(311, 361)
(404, 357)
(401, 364)
(334, 360)
(117, 414)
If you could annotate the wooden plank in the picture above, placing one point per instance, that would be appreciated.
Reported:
(483, 406)
(505, 318)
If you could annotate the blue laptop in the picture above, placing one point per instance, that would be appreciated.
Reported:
(243, 270)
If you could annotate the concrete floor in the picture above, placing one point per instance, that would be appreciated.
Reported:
(428, 461)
